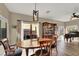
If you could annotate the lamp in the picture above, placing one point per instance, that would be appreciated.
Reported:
(35, 14)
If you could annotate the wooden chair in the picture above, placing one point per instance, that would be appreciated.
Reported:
(45, 48)
(10, 50)
(54, 45)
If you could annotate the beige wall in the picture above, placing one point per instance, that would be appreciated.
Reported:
(4, 11)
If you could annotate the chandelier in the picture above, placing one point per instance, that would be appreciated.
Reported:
(35, 14)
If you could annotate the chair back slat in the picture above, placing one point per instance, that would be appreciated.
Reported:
(5, 44)
(45, 43)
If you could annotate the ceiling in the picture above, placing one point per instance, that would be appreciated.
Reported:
(57, 11)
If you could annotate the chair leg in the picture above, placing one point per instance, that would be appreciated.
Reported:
(33, 50)
(50, 52)
(56, 51)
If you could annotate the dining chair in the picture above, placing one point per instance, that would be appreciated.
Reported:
(10, 50)
(45, 48)
(54, 45)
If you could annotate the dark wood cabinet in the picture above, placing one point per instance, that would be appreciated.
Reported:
(48, 29)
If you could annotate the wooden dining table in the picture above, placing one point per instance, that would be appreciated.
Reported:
(31, 44)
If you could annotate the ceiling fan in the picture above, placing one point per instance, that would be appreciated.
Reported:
(74, 16)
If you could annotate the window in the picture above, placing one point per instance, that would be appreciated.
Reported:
(61, 30)
(3, 29)
(72, 28)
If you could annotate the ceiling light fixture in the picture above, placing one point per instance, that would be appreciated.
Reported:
(35, 14)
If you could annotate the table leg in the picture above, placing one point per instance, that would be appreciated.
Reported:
(67, 39)
(70, 40)
(27, 51)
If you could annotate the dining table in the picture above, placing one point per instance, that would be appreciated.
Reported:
(31, 43)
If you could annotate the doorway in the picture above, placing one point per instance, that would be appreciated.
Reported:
(29, 30)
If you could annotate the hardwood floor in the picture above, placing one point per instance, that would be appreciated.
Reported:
(68, 49)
